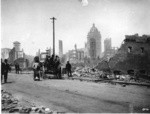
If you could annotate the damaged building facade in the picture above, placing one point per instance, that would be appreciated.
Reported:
(76, 55)
(109, 51)
(133, 55)
(16, 55)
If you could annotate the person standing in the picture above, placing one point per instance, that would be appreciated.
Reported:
(58, 67)
(17, 68)
(2, 69)
(68, 69)
(6, 69)
(36, 68)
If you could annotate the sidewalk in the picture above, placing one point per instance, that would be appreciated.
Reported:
(131, 83)
(109, 80)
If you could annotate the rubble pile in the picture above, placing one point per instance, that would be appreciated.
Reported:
(89, 72)
(11, 105)
(82, 72)
(8, 102)
(123, 77)
(129, 78)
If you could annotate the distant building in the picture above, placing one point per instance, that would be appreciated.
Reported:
(85, 51)
(109, 51)
(107, 48)
(133, 55)
(16, 46)
(49, 51)
(16, 55)
(5, 53)
(72, 57)
(30, 59)
(12, 55)
(80, 55)
(94, 43)
(76, 55)
(107, 45)
(42, 55)
(60, 48)
(16, 52)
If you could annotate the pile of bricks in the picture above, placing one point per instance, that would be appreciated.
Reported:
(11, 105)
(87, 72)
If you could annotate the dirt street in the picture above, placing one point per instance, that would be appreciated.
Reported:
(77, 96)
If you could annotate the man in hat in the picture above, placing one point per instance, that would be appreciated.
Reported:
(6, 70)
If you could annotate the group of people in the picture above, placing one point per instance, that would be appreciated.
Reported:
(5, 68)
(51, 63)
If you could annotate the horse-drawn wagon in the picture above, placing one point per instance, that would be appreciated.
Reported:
(50, 67)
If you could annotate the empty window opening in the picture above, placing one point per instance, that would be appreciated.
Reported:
(130, 72)
(129, 49)
(142, 49)
(142, 72)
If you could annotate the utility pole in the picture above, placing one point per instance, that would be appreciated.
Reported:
(53, 18)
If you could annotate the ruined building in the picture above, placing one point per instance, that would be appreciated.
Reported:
(16, 55)
(5, 53)
(16, 52)
(133, 55)
(76, 55)
(109, 51)
(42, 55)
(94, 43)
(107, 45)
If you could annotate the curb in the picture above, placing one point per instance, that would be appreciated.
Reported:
(108, 80)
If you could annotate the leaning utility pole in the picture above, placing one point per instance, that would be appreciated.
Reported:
(53, 18)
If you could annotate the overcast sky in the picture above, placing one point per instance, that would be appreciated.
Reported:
(28, 21)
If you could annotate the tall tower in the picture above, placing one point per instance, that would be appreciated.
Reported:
(60, 48)
(94, 43)
(107, 45)
(107, 48)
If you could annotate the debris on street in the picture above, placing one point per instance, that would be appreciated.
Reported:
(93, 73)
(145, 109)
(88, 72)
(11, 105)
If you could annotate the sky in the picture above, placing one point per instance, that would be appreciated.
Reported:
(28, 21)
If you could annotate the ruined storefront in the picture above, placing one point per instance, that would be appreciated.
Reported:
(133, 55)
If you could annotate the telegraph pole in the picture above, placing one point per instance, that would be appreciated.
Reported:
(53, 18)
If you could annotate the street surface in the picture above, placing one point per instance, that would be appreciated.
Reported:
(78, 96)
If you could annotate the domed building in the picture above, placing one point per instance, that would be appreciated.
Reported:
(94, 43)
(16, 55)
